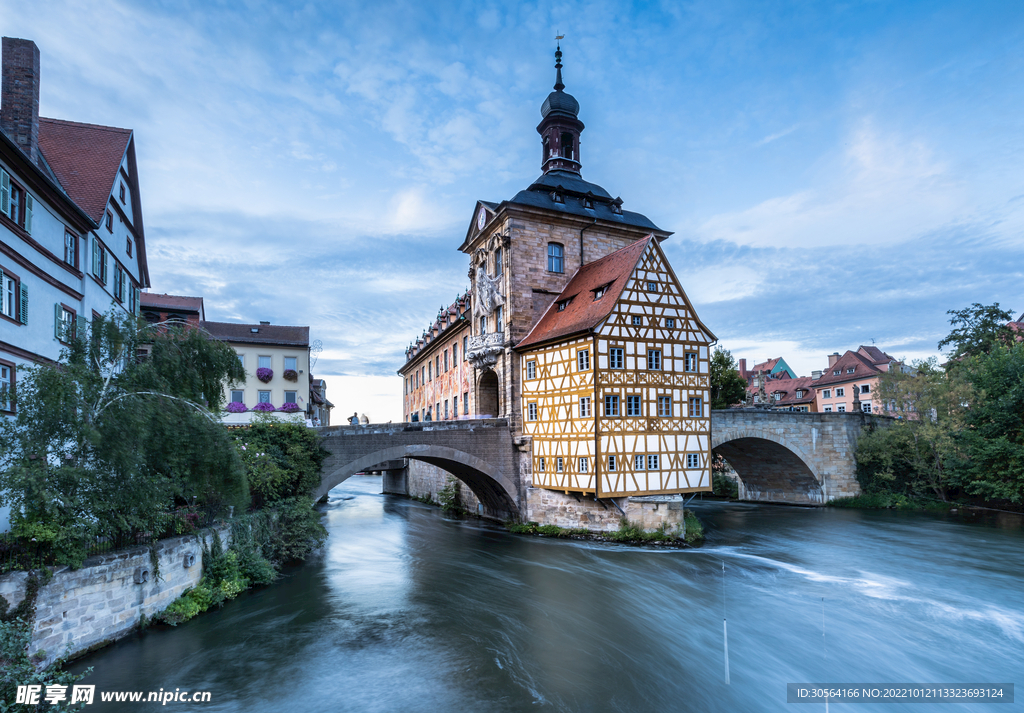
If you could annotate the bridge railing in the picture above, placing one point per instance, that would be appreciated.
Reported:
(469, 424)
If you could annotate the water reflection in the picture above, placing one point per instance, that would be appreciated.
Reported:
(408, 611)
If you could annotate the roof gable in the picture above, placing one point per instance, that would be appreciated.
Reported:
(276, 334)
(85, 158)
(581, 312)
(861, 365)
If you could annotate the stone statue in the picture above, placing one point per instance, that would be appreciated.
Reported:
(487, 295)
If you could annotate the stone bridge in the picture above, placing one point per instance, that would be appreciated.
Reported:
(789, 456)
(480, 452)
(779, 456)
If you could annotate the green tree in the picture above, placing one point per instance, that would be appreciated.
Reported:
(912, 456)
(727, 386)
(977, 330)
(108, 441)
(990, 462)
(282, 459)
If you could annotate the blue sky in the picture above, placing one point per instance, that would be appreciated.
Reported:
(835, 173)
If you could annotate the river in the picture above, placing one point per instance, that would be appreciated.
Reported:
(406, 610)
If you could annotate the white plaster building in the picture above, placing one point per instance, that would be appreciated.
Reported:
(72, 243)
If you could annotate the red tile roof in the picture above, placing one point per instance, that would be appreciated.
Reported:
(277, 334)
(172, 302)
(788, 387)
(85, 158)
(861, 364)
(583, 312)
(876, 355)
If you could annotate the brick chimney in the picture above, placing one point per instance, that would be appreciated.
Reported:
(743, 368)
(19, 95)
(833, 358)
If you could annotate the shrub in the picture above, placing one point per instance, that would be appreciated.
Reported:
(549, 530)
(264, 374)
(282, 460)
(448, 496)
(724, 487)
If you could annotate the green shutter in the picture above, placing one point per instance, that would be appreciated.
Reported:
(5, 193)
(24, 304)
(138, 301)
(29, 204)
(103, 258)
(58, 311)
(95, 257)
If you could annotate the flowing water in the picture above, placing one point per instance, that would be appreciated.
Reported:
(406, 610)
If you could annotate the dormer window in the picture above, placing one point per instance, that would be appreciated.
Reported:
(850, 370)
(836, 372)
(588, 203)
(600, 291)
(557, 197)
(563, 304)
(617, 206)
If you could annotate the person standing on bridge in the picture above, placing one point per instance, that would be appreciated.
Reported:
(363, 420)
(353, 420)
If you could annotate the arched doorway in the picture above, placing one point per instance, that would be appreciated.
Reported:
(487, 403)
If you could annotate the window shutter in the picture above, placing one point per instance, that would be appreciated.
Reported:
(5, 192)
(57, 313)
(103, 266)
(29, 204)
(138, 301)
(24, 304)
(95, 257)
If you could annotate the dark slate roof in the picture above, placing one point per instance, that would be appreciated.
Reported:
(278, 334)
(172, 302)
(560, 102)
(584, 312)
(574, 190)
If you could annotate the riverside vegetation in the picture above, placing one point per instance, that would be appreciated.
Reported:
(959, 434)
(121, 442)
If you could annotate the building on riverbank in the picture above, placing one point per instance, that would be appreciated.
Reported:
(526, 255)
(851, 380)
(72, 243)
(276, 362)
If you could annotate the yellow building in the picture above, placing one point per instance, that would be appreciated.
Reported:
(615, 382)
(276, 362)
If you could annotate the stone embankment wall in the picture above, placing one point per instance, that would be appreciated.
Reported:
(83, 609)
(426, 481)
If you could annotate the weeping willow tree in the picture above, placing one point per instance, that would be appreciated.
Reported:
(119, 432)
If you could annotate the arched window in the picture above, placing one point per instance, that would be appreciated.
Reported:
(556, 261)
(498, 267)
(567, 145)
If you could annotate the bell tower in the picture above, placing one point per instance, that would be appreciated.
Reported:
(560, 127)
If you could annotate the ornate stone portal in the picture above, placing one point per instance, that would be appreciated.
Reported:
(485, 349)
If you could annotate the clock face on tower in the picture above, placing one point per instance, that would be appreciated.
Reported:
(481, 219)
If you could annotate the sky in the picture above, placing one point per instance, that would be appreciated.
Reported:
(835, 173)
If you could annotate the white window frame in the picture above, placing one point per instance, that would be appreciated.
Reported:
(584, 465)
(611, 464)
(611, 399)
(654, 360)
(531, 370)
(653, 461)
(531, 411)
(583, 360)
(263, 397)
(559, 465)
(664, 401)
(241, 396)
(690, 362)
(294, 397)
(295, 363)
(828, 409)
(260, 363)
(841, 408)
(826, 393)
(585, 405)
(693, 460)
(840, 391)
(639, 462)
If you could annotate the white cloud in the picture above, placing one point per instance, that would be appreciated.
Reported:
(885, 188)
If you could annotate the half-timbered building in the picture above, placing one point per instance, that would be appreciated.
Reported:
(573, 312)
(615, 382)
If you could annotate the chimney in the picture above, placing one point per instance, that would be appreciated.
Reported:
(815, 375)
(743, 368)
(265, 323)
(833, 358)
(19, 95)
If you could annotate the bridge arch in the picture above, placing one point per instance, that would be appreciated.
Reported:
(770, 467)
(492, 488)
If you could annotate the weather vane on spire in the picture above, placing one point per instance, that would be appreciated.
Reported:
(558, 63)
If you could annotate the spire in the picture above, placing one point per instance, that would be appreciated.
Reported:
(558, 68)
